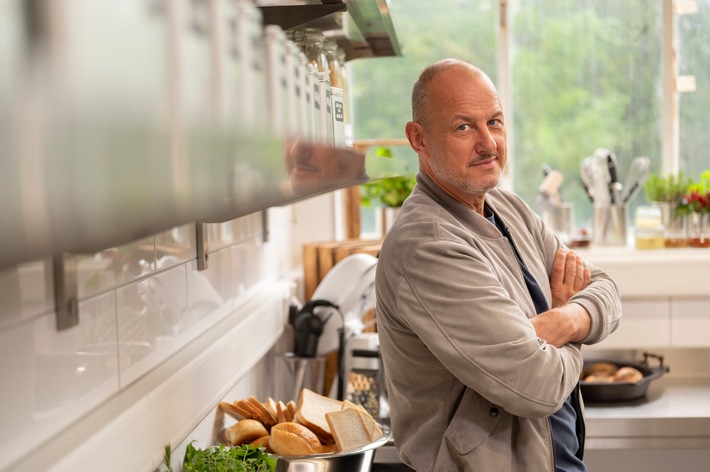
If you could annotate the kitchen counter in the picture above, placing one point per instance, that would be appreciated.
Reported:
(674, 413)
(681, 272)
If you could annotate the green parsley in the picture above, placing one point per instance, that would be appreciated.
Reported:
(245, 458)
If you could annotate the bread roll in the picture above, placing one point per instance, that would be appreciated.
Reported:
(262, 441)
(628, 374)
(293, 439)
(603, 367)
(244, 432)
(602, 377)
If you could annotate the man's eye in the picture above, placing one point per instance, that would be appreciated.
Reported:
(494, 122)
(463, 127)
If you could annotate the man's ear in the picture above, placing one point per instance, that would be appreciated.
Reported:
(415, 135)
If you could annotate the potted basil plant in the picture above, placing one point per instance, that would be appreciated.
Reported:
(667, 193)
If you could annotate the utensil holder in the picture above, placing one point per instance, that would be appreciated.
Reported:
(560, 219)
(294, 373)
(610, 225)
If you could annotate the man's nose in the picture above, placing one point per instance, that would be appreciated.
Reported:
(485, 142)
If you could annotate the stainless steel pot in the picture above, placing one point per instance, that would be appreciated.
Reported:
(355, 460)
(622, 391)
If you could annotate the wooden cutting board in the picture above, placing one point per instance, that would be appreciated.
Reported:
(318, 259)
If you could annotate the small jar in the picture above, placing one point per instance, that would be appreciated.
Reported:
(330, 47)
(699, 232)
(648, 228)
(312, 46)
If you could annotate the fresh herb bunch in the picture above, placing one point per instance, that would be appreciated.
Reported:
(667, 189)
(165, 466)
(390, 191)
(245, 458)
(697, 198)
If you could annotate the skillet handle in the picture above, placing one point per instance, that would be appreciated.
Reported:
(659, 358)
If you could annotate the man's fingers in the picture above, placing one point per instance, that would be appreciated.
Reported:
(570, 268)
(579, 275)
(558, 267)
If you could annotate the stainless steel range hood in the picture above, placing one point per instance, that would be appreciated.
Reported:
(362, 28)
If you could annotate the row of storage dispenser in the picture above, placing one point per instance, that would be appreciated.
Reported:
(190, 62)
(304, 78)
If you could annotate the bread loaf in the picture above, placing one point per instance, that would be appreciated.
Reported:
(293, 439)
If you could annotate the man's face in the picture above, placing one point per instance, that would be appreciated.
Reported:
(464, 137)
(313, 168)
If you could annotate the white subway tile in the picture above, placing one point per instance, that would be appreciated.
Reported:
(152, 321)
(209, 291)
(112, 267)
(221, 235)
(248, 263)
(175, 246)
(26, 291)
(56, 376)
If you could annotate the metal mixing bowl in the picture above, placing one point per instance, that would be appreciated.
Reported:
(354, 460)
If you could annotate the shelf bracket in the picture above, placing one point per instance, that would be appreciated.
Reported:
(66, 297)
(201, 243)
(265, 225)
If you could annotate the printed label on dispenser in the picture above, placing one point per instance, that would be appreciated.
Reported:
(336, 96)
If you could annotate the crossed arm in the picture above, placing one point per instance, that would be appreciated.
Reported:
(565, 322)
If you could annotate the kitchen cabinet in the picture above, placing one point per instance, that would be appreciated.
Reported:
(645, 324)
(690, 322)
(664, 294)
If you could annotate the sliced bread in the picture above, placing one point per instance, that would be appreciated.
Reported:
(348, 429)
(311, 411)
(372, 427)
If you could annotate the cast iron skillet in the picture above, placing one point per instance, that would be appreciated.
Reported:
(622, 391)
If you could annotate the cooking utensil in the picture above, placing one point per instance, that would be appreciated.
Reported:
(550, 187)
(605, 177)
(638, 173)
(586, 174)
(622, 391)
(614, 184)
(600, 180)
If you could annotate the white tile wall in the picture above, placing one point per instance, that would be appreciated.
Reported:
(152, 321)
(51, 378)
(140, 305)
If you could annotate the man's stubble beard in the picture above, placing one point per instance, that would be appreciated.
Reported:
(461, 182)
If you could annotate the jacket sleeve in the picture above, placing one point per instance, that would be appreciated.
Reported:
(471, 324)
(601, 298)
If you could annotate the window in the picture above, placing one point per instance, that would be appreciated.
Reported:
(579, 75)
(694, 85)
(381, 88)
(585, 75)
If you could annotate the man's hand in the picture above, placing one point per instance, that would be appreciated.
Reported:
(569, 276)
(565, 322)
(562, 325)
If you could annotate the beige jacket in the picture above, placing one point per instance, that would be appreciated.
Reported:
(470, 384)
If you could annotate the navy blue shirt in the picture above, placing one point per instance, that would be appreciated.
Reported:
(564, 423)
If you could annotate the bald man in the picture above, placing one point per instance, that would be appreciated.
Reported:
(481, 310)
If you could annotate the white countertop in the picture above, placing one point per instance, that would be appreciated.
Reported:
(682, 272)
(674, 412)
